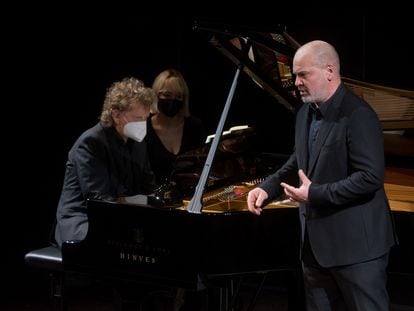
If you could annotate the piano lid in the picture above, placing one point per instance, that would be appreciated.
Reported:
(268, 57)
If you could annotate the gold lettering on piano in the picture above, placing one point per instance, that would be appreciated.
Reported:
(132, 257)
(138, 247)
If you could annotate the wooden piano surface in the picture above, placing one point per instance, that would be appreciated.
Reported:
(395, 107)
(399, 186)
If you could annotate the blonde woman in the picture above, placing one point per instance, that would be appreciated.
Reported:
(171, 129)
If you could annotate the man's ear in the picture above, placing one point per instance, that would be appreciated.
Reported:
(116, 114)
(329, 72)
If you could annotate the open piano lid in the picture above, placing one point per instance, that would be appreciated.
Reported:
(266, 57)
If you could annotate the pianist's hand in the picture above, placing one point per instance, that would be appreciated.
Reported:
(298, 194)
(255, 200)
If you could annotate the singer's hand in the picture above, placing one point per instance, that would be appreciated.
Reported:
(255, 200)
(300, 194)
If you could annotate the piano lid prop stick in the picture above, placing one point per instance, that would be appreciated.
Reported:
(196, 203)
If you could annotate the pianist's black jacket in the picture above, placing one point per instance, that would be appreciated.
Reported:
(100, 165)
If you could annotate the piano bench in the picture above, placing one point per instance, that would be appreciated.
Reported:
(49, 258)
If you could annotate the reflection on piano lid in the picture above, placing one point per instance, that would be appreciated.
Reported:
(236, 159)
(233, 131)
(266, 57)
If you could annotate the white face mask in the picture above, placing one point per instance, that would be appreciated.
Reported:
(136, 130)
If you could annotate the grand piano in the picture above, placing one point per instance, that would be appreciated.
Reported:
(190, 233)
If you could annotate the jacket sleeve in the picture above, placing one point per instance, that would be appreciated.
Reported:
(287, 173)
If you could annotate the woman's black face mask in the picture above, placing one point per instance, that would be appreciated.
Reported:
(170, 107)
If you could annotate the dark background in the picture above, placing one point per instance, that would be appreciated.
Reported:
(58, 67)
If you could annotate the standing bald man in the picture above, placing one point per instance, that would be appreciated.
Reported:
(346, 224)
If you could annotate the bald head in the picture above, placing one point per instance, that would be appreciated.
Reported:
(320, 54)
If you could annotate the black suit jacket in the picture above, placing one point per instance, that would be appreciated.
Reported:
(100, 165)
(348, 218)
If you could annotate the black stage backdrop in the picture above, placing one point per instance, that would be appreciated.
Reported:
(59, 66)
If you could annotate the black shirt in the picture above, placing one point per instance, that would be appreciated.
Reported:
(315, 116)
(162, 160)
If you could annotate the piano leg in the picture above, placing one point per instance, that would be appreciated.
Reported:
(249, 291)
(257, 293)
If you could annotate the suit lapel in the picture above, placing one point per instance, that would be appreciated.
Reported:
(302, 136)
